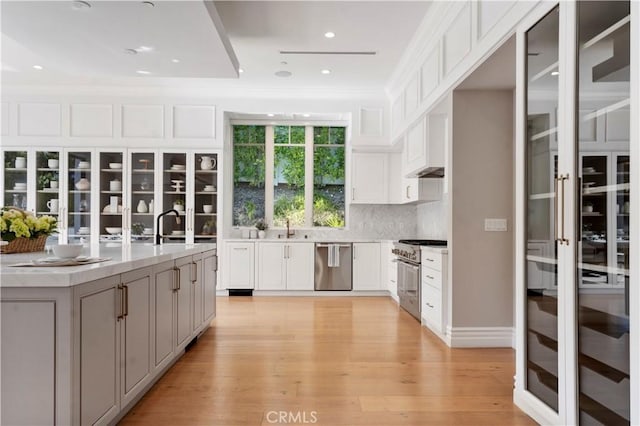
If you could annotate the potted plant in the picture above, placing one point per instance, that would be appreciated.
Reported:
(178, 205)
(23, 231)
(261, 225)
(137, 228)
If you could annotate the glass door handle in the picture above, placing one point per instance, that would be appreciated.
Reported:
(562, 203)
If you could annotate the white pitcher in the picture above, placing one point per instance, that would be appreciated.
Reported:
(207, 163)
(142, 207)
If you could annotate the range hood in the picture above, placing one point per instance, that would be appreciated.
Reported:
(431, 173)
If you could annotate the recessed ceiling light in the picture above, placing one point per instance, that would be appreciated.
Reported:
(143, 49)
(306, 115)
(175, 61)
(283, 74)
(555, 72)
(329, 34)
(131, 51)
(240, 70)
(143, 72)
(326, 71)
(37, 67)
(79, 5)
(283, 63)
(148, 4)
(270, 115)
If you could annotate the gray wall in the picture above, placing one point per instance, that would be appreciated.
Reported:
(482, 187)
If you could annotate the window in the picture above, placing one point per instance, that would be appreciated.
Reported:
(248, 174)
(293, 173)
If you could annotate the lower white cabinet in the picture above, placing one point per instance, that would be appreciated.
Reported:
(434, 302)
(238, 265)
(285, 266)
(366, 266)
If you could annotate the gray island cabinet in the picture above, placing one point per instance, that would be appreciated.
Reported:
(81, 345)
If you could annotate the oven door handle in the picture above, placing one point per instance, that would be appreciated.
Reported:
(409, 265)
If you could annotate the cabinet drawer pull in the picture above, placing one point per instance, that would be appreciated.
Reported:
(239, 248)
(429, 276)
(194, 272)
(430, 260)
(430, 305)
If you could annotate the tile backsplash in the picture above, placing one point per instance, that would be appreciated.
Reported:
(432, 219)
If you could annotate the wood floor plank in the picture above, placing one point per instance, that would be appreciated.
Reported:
(348, 360)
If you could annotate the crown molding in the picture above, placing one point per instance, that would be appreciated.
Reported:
(200, 91)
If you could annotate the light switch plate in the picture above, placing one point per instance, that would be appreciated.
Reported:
(495, 225)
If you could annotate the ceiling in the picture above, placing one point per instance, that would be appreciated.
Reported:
(211, 40)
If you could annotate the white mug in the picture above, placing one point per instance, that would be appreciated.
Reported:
(21, 163)
(53, 163)
(52, 204)
(53, 184)
(115, 185)
(207, 208)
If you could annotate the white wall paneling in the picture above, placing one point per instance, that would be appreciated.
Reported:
(429, 73)
(4, 118)
(39, 119)
(91, 120)
(457, 39)
(490, 12)
(397, 114)
(411, 95)
(143, 121)
(371, 121)
(194, 121)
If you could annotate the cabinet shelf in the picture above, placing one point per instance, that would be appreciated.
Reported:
(204, 172)
(13, 169)
(601, 368)
(77, 191)
(141, 214)
(600, 412)
(47, 213)
(206, 214)
(545, 377)
(47, 191)
(111, 192)
(142, 171)
(143, 192)
(206, 193)
(80, 213)
(47, 169)
(603, 322)
(175, 192)
(16, 191)
(111, 170)
(607, 32)
(80, 170)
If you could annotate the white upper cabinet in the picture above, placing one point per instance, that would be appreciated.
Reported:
(429, 73)
(416, 146)
(397, 114)
(411, 96)
(370, 178)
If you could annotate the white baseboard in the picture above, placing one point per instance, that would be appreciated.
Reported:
(534, 408)
(480, 337)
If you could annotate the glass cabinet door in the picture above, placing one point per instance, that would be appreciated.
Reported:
(603, 102)
(48, 186)
(15, 179)
(205, 206)
(78, 205)
(174, 194)
(541, 172)
(111, 196)
(141, 193)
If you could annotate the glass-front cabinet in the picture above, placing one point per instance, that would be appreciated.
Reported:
(115, 195)
(576, 242)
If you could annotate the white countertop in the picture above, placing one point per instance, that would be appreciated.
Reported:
(435, 249)
(124, 258)
(302, 240)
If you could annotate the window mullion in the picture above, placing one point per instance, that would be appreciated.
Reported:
(269, 170)
(308, 176)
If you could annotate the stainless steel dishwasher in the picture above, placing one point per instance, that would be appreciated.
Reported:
(333, 266)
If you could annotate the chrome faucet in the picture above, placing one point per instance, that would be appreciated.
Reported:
(289, 233)
(158, 236)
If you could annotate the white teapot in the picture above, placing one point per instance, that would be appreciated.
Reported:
(207, 163)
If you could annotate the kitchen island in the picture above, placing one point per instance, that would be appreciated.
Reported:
(82, 344)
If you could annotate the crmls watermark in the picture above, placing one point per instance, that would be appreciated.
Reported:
(286, 417)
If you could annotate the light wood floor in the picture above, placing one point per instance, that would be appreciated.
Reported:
(338, 361)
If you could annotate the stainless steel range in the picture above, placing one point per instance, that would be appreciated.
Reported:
(408, 252)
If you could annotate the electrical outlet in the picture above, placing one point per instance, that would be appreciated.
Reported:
(495, 225)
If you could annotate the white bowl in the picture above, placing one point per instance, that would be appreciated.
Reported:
(115, 165)
(113, 230)
(67, 251)
(177, 232)
(148, 231)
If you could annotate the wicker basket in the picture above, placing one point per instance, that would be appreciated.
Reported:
(24, 245)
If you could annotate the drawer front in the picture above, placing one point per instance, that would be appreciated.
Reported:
(432, 260)
(432, 305)
(432, 277)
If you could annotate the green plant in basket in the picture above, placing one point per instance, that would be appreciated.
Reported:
(137, 228)
(16, 223)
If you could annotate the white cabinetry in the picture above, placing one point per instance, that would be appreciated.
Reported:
(238, 265)
(366, 266)
(427, 140)
(389, 269)
(370, 178)
(434, 291)
(403, 190)
(285, 266)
